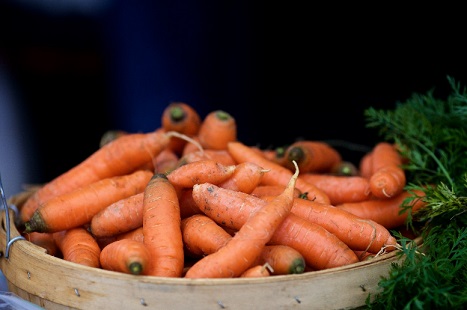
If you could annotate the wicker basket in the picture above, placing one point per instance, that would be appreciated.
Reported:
(54, 283)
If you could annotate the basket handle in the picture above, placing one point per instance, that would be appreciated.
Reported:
(9, 241)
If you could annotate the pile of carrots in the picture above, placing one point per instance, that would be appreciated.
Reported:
(190, 200)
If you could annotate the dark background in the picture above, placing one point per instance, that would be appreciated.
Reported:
(283, 72)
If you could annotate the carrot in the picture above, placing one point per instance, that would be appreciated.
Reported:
(165, 161)
(366, 165)
(246, 245)
(271, 190)
(192, 147)
(365, 255)
(246, 177)
(122, 156)
(78, 207)
(125, 255)
(221, 156)
(386, 212)
(340, 189)
(257, 271)
(111, 135)
(161, 228)
(217, 129)
(312, 156)
(182, 118)
(188, 207)
(200, 171)
(232, 209)
(282, 259)
(44, 240)
(384, 154)
(277, 174)
(345, 168)
(78, 246)
(121, 216)
(276, 155)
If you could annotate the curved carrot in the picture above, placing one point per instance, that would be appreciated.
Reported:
(282, 259)
(340, 189)
(312, 156)
(122, 156)
(77, 208)
(121, 216)
(182, 118)
(125, 255)
(200, 171)
(161, 228)
(246, 177)
(386, 212)
(271, 190)
(217, 129)
(257, 271)
(277, 174)
(78, 246)
(246, 245)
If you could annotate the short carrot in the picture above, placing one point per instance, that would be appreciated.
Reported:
(78, 246)
(386, 212)
(125, 255)
(121, 216)
(277, 174)
(257, 271)
(283, 259)
(161, 228)
(77, 208)
(340, 189)
(312, 156)
(119, 157)
(246, 177)
(246, 245)
(217, 129)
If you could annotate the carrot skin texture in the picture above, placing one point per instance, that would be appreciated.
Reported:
(77, 208)
(200, 172)
(125, 255)
(277, 174)
(119, 157)
(78, 246)
(161, 228)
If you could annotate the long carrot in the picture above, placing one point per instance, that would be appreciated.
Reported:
(119, 157)
(246, 245)
(282, 259)
(277, 174)
(312, 156)
(161, 228)
(125, 255)
(78, 246)
(121, 216)
(217, 129)
(77, 208)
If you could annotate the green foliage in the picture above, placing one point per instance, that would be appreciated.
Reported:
(432, 135)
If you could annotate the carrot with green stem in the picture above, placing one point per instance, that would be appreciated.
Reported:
(78, 246)
(246, 245)
(78, 207)
(217, 129)
(277, 174)
(161, 228)
(312, 156)
(125, 255)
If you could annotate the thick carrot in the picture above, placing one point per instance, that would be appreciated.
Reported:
(271, 190)
(135, 234)
(246, 177)
(283, 259)
(232, 209)
(78, 207)
(246, 245)
(312, 156)
(125, 255)
(340, 189)
(217, 129)
(111, 135)
(277, 174)
(182, 118)
(257, 271)
(119, 157)
(188, 206)
(200, 171)
(366, 165)
(384, 154)
(78, 246)
(44, 240)
(345, 168)
(121, 216)
(386, 212)
(161, 228)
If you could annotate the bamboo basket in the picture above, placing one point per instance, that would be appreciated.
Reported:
(54, 283)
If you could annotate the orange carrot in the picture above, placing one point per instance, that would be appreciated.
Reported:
(182, 118)
(365, 255)
(119, 157)
(246, 177)
(271, 190)
(217, 129)
(200, 171)
(384, 154)
(366, 165)
(386, 212)
(77, 208)
(135, 234)
(277, 174)
(188, 207)
(111, 135)
(241, 250)
(125, 255)
(191, 147)
(44, 240)
(312, 156)
(121, 216)
(165, 161)
(282, 259)
(320, 248)
(257, 271)
(161, 228)
(345, 168)
(78, 246)
(221, 156)
(340, 189)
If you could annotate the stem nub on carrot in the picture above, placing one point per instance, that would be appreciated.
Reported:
(125, 255)
(312, 156)
(283, 259)
(217, 129)
(246, 245)
(77, 208)
(78, 246)
(161, 228)
(257, 271)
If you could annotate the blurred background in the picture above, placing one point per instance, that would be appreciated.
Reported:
(70, 70)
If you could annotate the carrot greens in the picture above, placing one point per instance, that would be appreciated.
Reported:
(431, 135)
